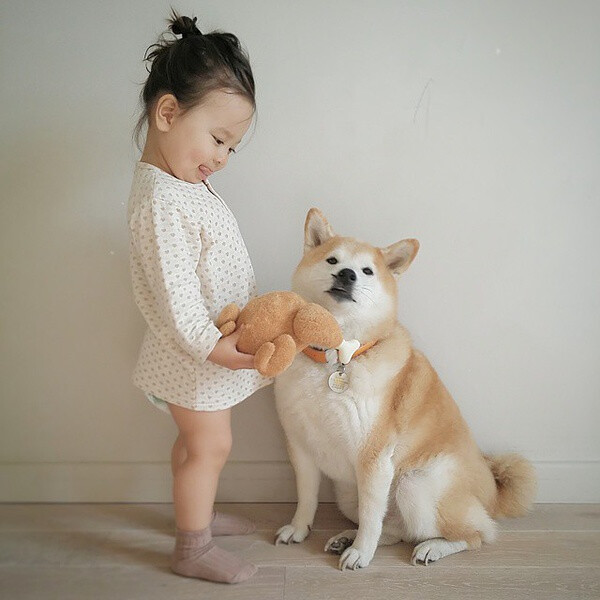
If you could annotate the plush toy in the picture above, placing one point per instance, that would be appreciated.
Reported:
(278, 325)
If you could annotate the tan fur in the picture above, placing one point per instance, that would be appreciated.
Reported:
(516, 483)
(420, 408)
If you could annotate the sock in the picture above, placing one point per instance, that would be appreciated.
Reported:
(195, 555)
(223, 524)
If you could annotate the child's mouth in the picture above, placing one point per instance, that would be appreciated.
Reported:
(206, 172)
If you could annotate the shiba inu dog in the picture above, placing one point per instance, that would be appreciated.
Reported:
(402, 460)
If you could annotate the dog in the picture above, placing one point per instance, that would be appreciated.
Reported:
(383, 428)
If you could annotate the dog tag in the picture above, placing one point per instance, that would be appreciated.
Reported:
(338, 380)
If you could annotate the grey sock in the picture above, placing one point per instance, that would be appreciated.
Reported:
(196, 555)
(224, 524)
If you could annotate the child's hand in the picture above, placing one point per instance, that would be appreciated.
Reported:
(226, 354)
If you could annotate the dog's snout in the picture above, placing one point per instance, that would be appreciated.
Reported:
(346, 276)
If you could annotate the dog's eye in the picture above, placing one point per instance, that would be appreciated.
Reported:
(332, 260)
(367, 271)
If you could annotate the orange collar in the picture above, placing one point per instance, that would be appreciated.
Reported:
(319, 355)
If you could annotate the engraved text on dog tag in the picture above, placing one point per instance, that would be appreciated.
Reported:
(338, 380)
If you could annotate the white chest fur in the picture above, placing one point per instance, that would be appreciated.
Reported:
(332, 426)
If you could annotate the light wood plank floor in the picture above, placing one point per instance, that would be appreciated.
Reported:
(121, 552)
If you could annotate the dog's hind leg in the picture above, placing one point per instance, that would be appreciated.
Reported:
(338, 543)
(436, 548)
(463, 524)
(346, 494)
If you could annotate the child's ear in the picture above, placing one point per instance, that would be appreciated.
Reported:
(398, 256)
(165, 112)
(316, 229)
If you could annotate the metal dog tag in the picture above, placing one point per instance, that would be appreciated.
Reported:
(338, 380)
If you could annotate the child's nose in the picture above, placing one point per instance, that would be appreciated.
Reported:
(222, 157)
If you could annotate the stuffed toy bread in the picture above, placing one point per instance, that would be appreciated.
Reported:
(278, 325)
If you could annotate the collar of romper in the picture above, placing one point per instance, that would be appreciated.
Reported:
(319, 355)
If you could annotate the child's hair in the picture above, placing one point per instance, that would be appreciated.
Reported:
(192, 66)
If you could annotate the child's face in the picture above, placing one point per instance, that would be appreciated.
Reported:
(195, 144)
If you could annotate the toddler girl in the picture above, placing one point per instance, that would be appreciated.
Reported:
(188, 260)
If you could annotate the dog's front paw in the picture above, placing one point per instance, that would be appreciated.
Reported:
(289, 534)
(355, 558)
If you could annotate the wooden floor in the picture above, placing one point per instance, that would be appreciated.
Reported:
(121, 552)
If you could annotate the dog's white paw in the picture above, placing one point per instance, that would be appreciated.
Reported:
(355, 558)
(423, 554)
(431, 550)
(288, 534)
(338, 543)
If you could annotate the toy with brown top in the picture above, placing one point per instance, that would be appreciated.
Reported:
(278, 325)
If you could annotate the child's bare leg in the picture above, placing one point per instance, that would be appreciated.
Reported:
(206, 438)
(221, 523)
(177, 454)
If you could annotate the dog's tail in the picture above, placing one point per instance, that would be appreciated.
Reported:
(516, 483)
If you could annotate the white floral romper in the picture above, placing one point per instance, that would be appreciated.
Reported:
(188, 261)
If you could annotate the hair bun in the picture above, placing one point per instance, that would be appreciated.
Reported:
(185, 27)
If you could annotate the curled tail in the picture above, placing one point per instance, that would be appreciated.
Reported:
(516, 483)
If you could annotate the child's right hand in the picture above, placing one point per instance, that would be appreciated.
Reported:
(226, 354)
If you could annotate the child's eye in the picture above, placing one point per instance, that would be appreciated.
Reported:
(332, 260)
(219, 142)
(367, 271)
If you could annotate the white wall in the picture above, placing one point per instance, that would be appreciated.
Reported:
(471, 125)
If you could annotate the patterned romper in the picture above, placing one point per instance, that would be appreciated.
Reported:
(188, 261)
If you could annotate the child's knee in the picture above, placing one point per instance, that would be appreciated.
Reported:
(224, 446)
(214, 448)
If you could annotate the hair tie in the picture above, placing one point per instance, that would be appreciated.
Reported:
(186, 27)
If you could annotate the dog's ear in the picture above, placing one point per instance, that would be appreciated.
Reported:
(398, 256)
(316, 229)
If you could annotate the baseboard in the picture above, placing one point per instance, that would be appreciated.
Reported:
(240, 482)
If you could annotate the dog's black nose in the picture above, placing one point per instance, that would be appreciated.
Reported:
(346, 276)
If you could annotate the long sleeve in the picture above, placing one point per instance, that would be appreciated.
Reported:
(166, 246)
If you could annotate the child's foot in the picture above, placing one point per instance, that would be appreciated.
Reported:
(223, 524)
(196, 555)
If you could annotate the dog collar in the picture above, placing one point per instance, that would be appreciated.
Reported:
(319, 355)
